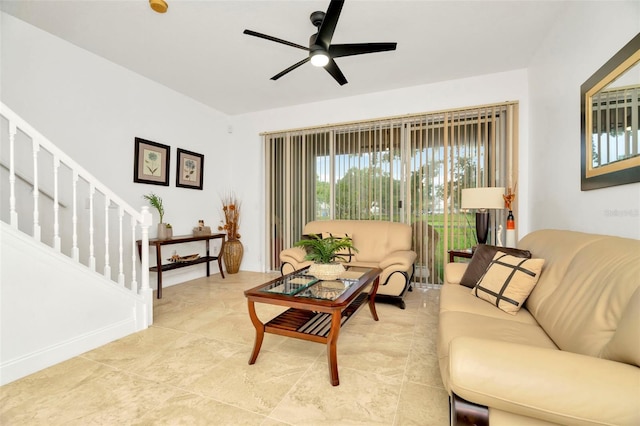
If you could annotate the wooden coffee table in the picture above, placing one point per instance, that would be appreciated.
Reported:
(317, 309)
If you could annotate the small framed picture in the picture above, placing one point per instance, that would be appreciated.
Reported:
(190, 168)
(151, 162)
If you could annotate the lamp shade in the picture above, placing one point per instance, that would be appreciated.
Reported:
(483, 198)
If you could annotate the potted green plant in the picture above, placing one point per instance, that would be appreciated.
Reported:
(326, 254)
(165, 231)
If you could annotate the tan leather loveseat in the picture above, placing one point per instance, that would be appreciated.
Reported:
(570, 356)
(380, 244)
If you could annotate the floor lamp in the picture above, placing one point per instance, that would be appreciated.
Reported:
(482, 199)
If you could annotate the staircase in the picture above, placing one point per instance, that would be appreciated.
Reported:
(71, 278)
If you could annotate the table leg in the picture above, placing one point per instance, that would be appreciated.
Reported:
(159, 264)
(259, 326)
(207, 244)
(372, 298)
(332, 345)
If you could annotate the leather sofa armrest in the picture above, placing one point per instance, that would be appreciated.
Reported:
(293, 255)
(553, 385)
(403, 258)
(454, 271)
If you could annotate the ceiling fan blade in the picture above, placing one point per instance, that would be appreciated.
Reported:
(332, 68)
(277, 40)
(291, 68)
(325, 33)
(340, 50)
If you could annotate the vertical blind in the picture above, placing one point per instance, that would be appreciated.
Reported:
(408, 169)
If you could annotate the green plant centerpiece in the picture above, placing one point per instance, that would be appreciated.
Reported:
(326, 255)
(165, 230)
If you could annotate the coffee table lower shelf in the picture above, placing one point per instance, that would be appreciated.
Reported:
(309, 325)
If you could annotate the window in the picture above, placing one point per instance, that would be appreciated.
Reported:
(407, 169)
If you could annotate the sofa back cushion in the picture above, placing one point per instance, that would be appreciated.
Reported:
(374, 239)
(585, 290)
(623, 347)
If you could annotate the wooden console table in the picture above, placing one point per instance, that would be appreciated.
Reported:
(179, 240)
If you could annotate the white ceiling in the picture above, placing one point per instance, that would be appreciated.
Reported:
(197, 47)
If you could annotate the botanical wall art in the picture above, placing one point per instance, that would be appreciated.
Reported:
(151, 162)
(189, 170)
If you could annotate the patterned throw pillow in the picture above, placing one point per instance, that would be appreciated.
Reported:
(482, 256)
(508, 281)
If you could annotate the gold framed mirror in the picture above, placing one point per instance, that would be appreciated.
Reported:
(610, 121)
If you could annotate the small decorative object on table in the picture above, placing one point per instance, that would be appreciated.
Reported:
(201, 230)
(232, 249)
(175, 258)
(323, 252)
(511, 223)
(165, 230)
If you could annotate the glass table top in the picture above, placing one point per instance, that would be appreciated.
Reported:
(304, 285)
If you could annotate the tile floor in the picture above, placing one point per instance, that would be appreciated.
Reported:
(191, 368)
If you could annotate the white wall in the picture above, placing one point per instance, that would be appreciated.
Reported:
(584, 37)
(93, 109)
(494, 88)
(52, 309)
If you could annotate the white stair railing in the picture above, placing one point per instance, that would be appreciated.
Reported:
(89, 235)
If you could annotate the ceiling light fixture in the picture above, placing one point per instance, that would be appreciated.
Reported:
(319, 58)
(159, 6)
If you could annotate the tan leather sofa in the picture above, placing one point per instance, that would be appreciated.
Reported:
(570, 356)
(380, 244)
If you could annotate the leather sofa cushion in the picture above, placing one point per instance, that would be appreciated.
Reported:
(623, 347)
(454, 324)
(459, 298)
(453, 272)
(543, 386)
(584, 293)
(481, 259)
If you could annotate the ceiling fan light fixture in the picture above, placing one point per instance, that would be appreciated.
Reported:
(159, 6)
(322, 53)
(319, 58)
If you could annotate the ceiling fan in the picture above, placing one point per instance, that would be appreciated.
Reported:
(321, 51)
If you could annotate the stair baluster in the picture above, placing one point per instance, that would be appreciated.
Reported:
(36, 192)
(107, 266)
(121, 248)
(13, 214)
(56, 205)
(75, 250)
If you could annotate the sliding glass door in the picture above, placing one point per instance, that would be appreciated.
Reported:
(448, 152)
(408, 169)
